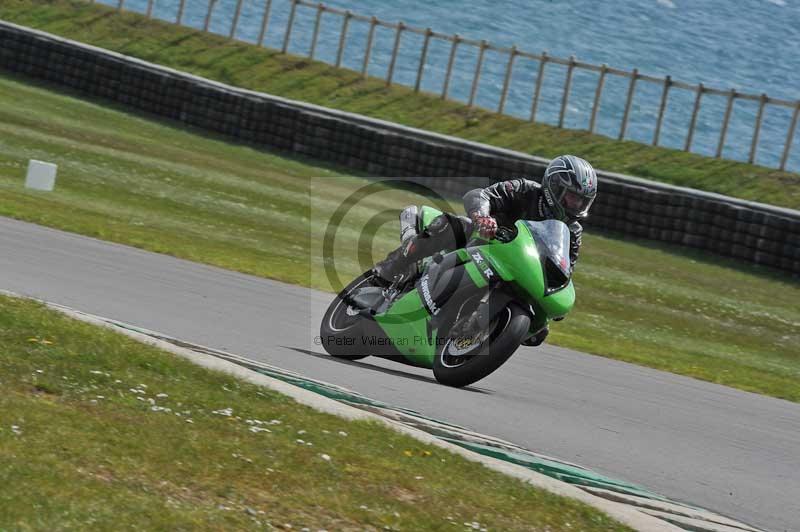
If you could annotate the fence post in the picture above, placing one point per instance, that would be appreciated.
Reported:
(476, 78)
(315, 35)
(395, 49)
(628, 102)
(181, 9)
(567, 87)
(693, 122)
(343, 38)
(236, 15)
(370, 37)
(289, 25)
(538, 90)
(725, 122)
(149, 8)
(662, 108)
(211, 4)
(757, 130)
(790, 137)
(423, 56)
(597, 95)
(264, 23)
(453, 49)
(507, 79)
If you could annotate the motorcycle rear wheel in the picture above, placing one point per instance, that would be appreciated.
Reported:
(455, 364)
(342, 328)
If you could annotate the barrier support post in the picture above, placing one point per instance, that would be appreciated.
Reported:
(264, 23)
(476, 78)
(288, 35)
(450, 62)
(725, 122)
(538, 90)
(628, 102)
(370, 37)
(693, 122)
(790, 137)
(315, 35)
(567, 87)
(661, 109)
(395, 49)
(598, 93)
(211, 4)
(343, 38)
(507, 79)
(236, 16)
(423, 56)
(757, 128)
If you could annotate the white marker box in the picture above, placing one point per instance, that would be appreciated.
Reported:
(41, 175)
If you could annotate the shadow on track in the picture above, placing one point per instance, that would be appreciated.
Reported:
(388, 371)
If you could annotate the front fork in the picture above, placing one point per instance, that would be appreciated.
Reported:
(455, 278)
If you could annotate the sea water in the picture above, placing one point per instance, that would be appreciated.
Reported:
(749, 45)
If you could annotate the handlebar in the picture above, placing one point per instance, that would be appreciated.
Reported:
(505, 234)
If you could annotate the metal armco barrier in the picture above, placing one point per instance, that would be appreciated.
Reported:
(752, 232)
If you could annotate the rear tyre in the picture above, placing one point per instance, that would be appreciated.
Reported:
(342, 327)
(462, 361)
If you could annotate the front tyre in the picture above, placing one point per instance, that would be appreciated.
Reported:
(342, 326)
(463, 360)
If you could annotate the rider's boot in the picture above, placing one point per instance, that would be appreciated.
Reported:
(397, 265)
(400, 264)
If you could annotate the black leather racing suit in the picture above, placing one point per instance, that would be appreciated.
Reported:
(517, 199)
(506, 201)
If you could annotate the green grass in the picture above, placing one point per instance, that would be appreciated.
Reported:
(84, 446)
(298, 78)
(156, 186)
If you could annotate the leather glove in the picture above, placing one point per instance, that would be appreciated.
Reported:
(486, 226)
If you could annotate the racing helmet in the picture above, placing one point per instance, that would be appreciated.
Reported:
(570, 186)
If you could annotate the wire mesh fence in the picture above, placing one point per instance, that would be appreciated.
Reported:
(538, 87)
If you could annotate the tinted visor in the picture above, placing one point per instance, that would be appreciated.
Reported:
(575, 205)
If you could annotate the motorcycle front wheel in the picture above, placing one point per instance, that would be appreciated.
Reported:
(467, 358)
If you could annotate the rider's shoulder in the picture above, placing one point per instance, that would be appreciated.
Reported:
(520, 187)
(519, 181)
(526, 185)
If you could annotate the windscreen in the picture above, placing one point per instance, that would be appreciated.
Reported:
(552, 240)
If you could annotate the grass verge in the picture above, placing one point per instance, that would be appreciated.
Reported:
(100, 432)
(247, 66)
(152, 185)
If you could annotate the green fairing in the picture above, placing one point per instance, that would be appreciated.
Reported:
(475, 275)
(406, 325)
(427, 214)
(408, 315)
(517, 262)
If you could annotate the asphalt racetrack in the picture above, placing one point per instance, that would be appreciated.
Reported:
(729, 451)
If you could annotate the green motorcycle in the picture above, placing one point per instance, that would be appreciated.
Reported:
(465, 311)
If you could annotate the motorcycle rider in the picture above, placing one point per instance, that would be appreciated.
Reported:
(568, 189)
